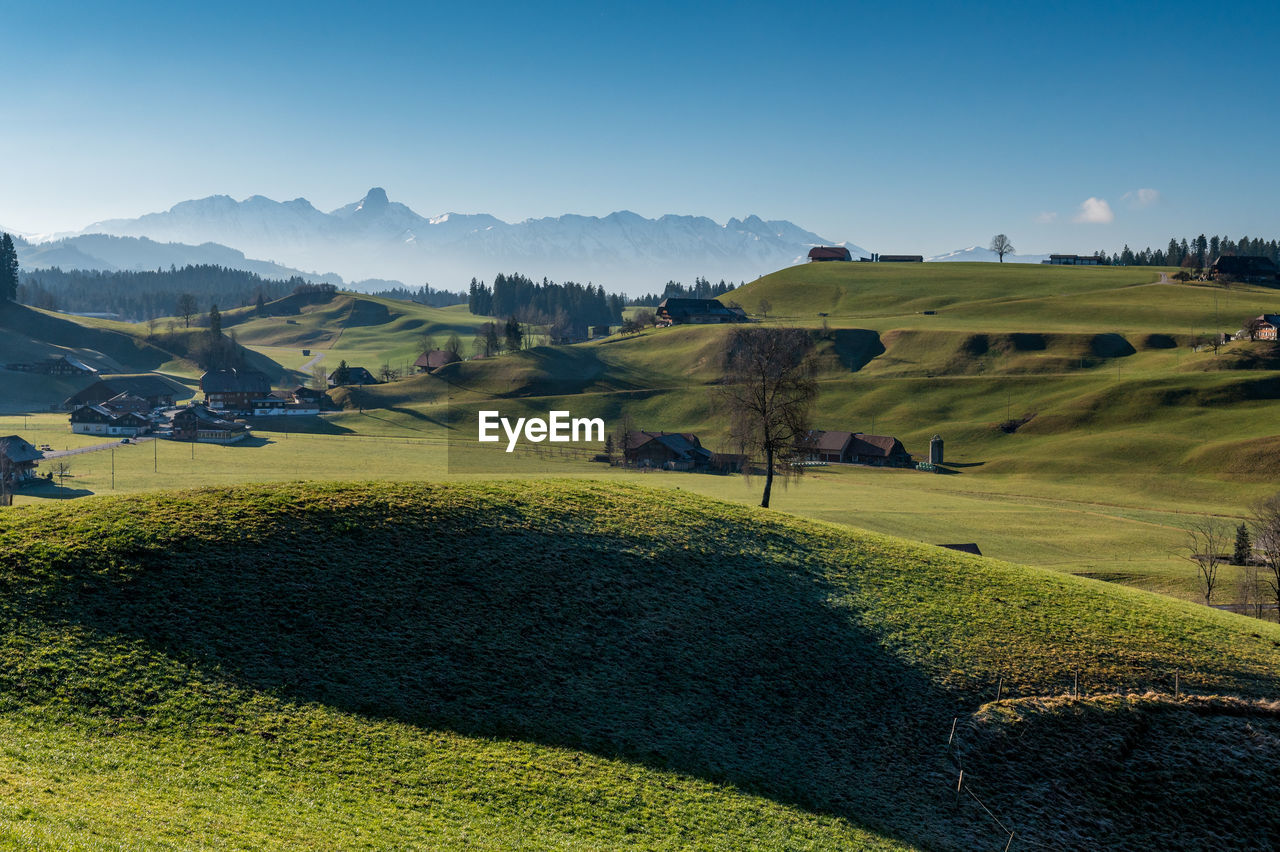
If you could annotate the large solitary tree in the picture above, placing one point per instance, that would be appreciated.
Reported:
(1000, 245)
(768, 389)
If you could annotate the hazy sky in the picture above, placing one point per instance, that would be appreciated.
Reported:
(902, 127)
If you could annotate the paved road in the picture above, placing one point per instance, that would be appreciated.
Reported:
(57, 454)
(315, 359)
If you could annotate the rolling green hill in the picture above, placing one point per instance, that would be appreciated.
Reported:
(552, 665)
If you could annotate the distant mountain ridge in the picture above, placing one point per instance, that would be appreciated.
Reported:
(978, 254)
(376, 237)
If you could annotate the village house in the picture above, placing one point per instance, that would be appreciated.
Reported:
(673, 311)
(99, 420)
(435, 359)
(666, 450)
(1250, 268)
(200, 424)
(123, 403)
(1264, 327)
(822, 254)
(18, 460)
(355, 376)
(234, 390)
(854, 448)
(285, 403)
(156, 391)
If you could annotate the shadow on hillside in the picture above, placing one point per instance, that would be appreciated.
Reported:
(856, 347)
(712, 660)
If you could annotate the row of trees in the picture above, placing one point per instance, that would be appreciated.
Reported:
(700, 289)
(424, 295)
(139, 296)
(540, 303)
(1195, 253)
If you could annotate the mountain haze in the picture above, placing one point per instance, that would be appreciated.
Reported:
(376, 237)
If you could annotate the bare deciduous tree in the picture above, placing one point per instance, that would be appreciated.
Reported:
(769, 388)
(1000, 245)
(187, 309)
(1208, 547)
(764, 308)
(61, 470)
(1266, 543)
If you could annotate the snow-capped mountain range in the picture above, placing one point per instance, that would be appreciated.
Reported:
(978, 254)
(379, 238)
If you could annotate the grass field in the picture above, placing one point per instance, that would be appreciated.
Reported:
(555, 665)
(1130, 432)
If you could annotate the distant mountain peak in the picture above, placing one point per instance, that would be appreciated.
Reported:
(374, 200)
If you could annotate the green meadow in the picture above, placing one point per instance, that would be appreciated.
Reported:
(1128, 432)
(547, 664)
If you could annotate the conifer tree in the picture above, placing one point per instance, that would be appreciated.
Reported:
(8, 270)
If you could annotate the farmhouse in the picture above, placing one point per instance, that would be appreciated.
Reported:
(696, 312)
(854, 448)
(355, 376)
(822, 254)
(284, 403)
(1073, 260)
(1251, 268)
(234, 390)
(60, 366)
(156, 391)
(18, 460)
(126, 402)
(199, 424)
(1265, 327)
(666, 450)
(99, 420)
(435, 359)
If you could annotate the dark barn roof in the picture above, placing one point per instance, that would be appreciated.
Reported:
(968, 547)
(19, 450)
(901, 258)
(882, 446)
(684, 308)
(235, 381)
(829, 253)
(152, 388)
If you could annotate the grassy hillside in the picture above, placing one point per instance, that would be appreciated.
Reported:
(567, 666)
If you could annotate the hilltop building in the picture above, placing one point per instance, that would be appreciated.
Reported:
(1073, 260)
(898, 258)
(355, 376)
(672, 311)
(822, 254)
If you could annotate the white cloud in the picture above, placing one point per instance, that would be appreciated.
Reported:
(1095, 211)
(1047, 217)
(1140, 198)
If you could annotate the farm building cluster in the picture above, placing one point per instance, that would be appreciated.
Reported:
(130, 406)
(684, 451)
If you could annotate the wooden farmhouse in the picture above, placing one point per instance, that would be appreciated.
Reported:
(100, 420)
(355, 376)
(200, 424)
(666, 451)
(234, 390)
(18, 460)
(854, 448)
(696, 312)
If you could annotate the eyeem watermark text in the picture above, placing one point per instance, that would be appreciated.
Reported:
(559, 428)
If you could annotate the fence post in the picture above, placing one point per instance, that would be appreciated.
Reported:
(999, 687)
(1176, 686)
(959, 785)
(1076, 688)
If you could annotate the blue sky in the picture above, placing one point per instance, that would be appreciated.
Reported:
(903, 127)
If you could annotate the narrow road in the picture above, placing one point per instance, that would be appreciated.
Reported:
(315, 359)
(58, 454)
